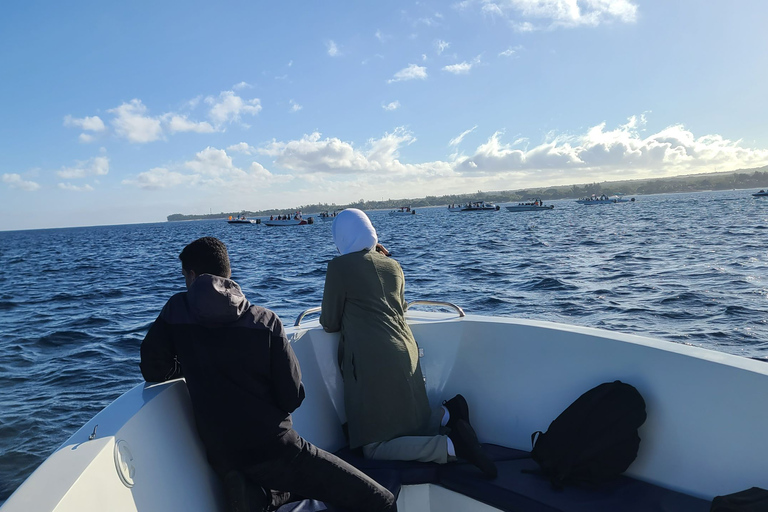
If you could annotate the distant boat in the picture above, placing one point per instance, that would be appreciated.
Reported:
(603, 199)
(242, 220)
(477, 206)
(403, 211)
(296, 220)
(533, 206)
(762, 193)
(324, 215)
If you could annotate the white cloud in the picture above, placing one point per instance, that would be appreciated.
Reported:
(158, 178)
(441, 46)
(462, 68)
(16, 181)
(93, 124)
(242, 85)
(412, 72)
(529, 15)
(621, 153)
(241, 147)
(492, 9)
(258, 170)
(457, 140)
(75, 188)
(332, 156)
(96, 166)
(131, 122)
(211, 169)
(212, 162)
(333, 50)
(193, 103)
(180, 123)
(228, 107)
(394, 105)
(459, 69)
(295, 107)
(509, 52)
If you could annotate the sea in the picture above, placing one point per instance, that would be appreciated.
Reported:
(75, 303)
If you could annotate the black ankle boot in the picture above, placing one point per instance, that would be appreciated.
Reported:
(458, 410)
(468, 447)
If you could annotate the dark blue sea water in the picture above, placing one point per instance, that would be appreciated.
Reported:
(76, 303)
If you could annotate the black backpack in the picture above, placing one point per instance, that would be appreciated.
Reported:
(595, 439)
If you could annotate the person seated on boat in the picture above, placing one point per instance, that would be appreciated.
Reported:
(388, 413)
(244, 382)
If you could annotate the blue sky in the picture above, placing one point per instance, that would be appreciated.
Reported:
(121, 112)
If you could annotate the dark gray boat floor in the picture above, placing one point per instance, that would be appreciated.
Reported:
(516, 491)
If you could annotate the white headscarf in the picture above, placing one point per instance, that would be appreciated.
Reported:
(352, 231)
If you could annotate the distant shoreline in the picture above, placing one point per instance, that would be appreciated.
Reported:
(741, 180)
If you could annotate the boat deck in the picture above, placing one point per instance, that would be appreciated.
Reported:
(514, 490)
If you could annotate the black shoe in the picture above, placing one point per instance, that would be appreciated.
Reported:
(242, 495)
(468, 447)
(458, 410)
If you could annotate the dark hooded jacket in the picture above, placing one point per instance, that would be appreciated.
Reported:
(243, 377)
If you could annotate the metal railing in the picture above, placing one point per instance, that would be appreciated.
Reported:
(438, 303)
(305, 313)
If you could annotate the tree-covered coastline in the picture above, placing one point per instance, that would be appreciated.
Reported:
(741, 179)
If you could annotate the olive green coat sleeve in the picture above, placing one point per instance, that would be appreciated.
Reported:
(384, 392)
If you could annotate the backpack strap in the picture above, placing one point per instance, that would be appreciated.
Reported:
(534, 437)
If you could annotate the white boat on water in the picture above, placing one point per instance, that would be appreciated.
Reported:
(327, 216)
(529, 207)
(704, 434)
(594, 199)
(477, 206)
(761, 193)
(403, 211)
(242, 220)
(291, 221)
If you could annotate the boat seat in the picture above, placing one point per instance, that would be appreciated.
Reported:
(514, 490)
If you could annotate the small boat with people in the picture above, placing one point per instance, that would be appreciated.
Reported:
(704, 435)
(289, 220)
(476, 206)
(534, 205)
(604, 199)
(403, 211)
(242, 220)
(761, 193)
(325, 215)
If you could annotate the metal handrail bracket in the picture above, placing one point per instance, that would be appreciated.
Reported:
(305, 313)
(436, 303)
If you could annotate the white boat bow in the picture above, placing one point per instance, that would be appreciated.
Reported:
(704, 436)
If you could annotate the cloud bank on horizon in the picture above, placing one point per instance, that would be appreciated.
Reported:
(411, 109)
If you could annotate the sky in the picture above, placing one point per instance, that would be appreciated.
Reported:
(127, 112)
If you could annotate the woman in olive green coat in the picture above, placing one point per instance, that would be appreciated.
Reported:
(388, 413)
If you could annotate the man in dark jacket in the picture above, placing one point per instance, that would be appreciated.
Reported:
(244, 381)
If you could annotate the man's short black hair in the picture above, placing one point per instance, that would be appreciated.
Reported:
(207, 255)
